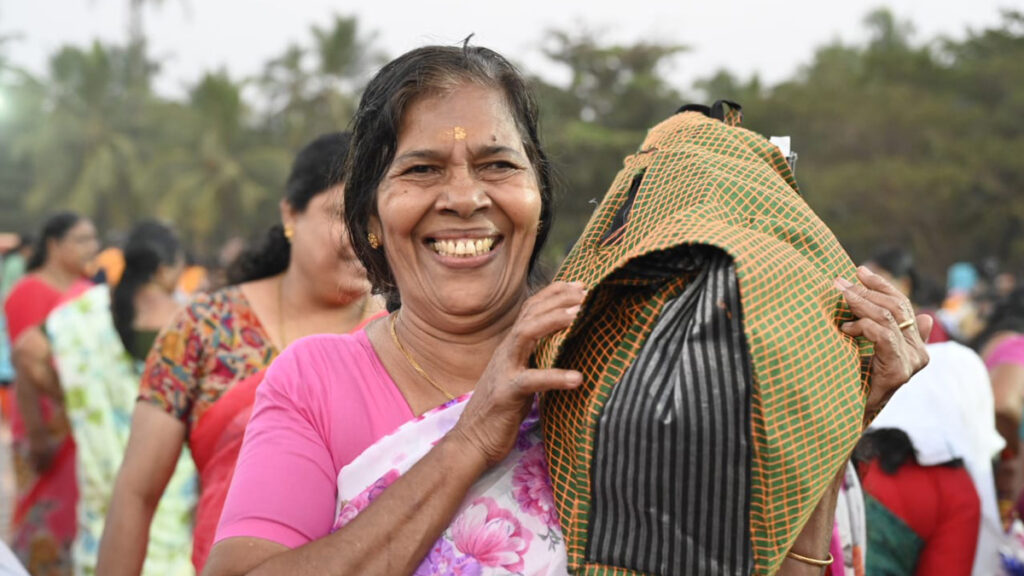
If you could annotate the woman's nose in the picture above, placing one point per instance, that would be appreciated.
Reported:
(464, 194)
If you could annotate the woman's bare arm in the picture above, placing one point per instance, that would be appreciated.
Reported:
(899, 354)
(390, 537)
(816, 538)
(394, 533)
(35, 379)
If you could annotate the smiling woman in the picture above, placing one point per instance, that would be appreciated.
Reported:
(413, 446)
(447, 201)
(443, 197)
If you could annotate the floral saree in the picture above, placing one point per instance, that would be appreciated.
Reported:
(507, 523)
(100, 381)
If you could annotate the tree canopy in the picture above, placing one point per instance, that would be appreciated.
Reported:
(901, 140)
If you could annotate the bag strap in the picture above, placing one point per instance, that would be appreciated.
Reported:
(726, 111)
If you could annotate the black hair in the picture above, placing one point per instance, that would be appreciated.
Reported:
(423, 72)
(149, 245)
(892, 448)
(25, 240)
(319, 166)
(899, 263)
(56, 227)
(1008, 316)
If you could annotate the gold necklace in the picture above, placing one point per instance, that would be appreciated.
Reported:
(415, 365)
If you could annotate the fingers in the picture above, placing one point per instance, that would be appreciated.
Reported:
(886, 318)
(532, 382)
(891, 307)
(548, 311)
(556, 295)
(863, 306)
(925, 323)
(884, 338)
(878, 283)
(886, 295)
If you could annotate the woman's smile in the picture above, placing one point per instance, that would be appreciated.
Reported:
(464, 249)
(458, 216)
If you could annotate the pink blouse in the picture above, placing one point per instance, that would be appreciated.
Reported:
(1009, 351)
(325, 399)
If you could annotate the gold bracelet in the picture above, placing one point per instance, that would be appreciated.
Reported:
(813, 562)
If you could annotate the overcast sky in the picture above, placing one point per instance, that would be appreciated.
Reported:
(744, 36)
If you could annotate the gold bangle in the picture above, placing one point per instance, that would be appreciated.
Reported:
(813, 562)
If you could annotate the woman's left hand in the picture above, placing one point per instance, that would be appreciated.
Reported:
(900, 353)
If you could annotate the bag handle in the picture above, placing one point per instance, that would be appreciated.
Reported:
(724, 110)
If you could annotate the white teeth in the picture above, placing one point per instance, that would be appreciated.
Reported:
(465, 247)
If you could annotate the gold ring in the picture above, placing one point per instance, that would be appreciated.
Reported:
(906, 324)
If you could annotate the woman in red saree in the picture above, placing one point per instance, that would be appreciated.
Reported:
(44, 453)
(295, 284)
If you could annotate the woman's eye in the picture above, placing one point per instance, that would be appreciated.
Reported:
(500, 165)
(419, 169)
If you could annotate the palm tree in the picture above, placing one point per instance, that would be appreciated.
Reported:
(20, 111)
(82, 153)
(314, 90)
(219, 180)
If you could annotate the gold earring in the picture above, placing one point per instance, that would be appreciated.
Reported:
(288, 232)
(373, 240)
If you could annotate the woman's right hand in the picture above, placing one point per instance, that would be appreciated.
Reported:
(506, 390)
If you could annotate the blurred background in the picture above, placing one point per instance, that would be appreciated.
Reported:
(908, 117)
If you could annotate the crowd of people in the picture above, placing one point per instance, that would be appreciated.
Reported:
(360, 395)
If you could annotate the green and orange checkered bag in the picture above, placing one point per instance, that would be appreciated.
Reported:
(700, 181)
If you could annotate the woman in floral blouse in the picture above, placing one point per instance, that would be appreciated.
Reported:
(303, 280)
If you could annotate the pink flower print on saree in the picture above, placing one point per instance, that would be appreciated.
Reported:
(506, 525)
(531, 487)
(445, 560)
(492, 535)
(351, 508)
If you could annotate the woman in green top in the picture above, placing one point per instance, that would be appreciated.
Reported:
(99, 340)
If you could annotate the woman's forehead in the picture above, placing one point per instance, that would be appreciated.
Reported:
(466, 113)
(83, 227)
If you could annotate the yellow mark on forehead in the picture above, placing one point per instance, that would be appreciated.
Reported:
(457, 133)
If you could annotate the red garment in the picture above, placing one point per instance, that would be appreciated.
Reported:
(939, 333)
(940, 504)
(29, 302)
(44, 516)
(215, 442)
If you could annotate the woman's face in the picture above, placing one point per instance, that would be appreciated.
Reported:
(168, 275)
(459, 206)
(322, 251)
(77, 249)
